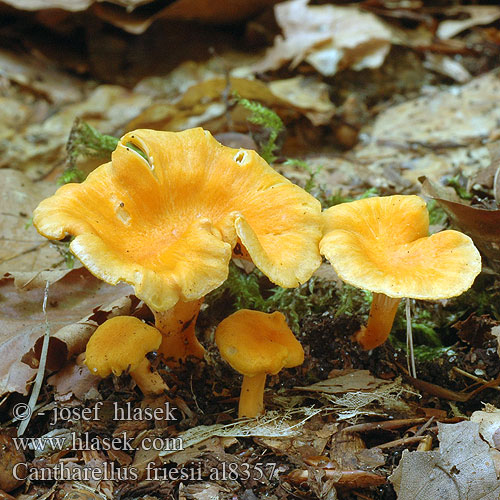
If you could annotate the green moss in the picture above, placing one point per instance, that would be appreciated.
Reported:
(267, 119)
(85, 141)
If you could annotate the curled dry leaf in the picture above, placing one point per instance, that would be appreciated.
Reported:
(482, 225)
(108, 108)
(204, 103)
(462, 468)
(476, 330)
(489, 424)
(476, 15)
(328, 37)
(41, 78)
(70, 299)
(207, 11)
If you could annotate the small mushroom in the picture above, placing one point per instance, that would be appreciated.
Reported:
(121, 343)
(256, 344)
(168, 224)
(381, 244)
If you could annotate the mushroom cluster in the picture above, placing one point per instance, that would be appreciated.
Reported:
(166, 221)
(382, 244)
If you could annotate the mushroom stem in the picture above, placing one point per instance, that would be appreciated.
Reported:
(177, 326)
(382, 313)
(149, 381)
(252, 396)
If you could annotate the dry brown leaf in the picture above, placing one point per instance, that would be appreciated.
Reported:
(14, 116)
(454, 116)
(309, 442)
(447, 66)
(347, 381)
(327, 37)
(489, 424)
(22, 249)
(210, 11)
(41, 78)
(76, 295)
(74, 379)
(477, 15)
(306, 94)
(108, 108)
(462, 468)
(441, 133)
(9, 457)
(482, 225)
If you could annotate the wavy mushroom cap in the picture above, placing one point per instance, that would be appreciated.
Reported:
(381, 244)
(253, 342)
(120, 343)
(167, 225)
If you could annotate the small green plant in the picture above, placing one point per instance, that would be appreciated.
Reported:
(252, 291)
(456, 184)
(63, 248)
(437, 216)
(267, 119)
(85, 141)
(311, 183)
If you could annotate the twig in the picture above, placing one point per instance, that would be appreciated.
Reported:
(410, 355)
(473, 377)
(386, 425)
(401, 442)
(424, 427)
(41, 367)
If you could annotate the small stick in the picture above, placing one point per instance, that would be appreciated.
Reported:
(386, 425)
(400, 442)
(410, 355)
(424, 427)
(41, 368)
(473, 377)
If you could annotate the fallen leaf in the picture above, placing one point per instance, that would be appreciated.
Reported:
(353, 380)
(41, 146)
(440, 133)
(71, 299)
(489, 424)
(446, 66)
(482, 225)
(328, 37)
(462, 468)
(477, 15)
(306, 94)
(41, 77)
(208, 11)
(22, 249)
(74, 379)
(475, 330)
(9, 457)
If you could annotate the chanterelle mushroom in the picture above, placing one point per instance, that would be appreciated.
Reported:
(167, 225)
(122, 343)
(381, 244)
(257, 344)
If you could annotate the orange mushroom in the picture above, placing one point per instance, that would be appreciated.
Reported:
(121, 343)
(167, 225)
(256, 344)
(381, 244)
